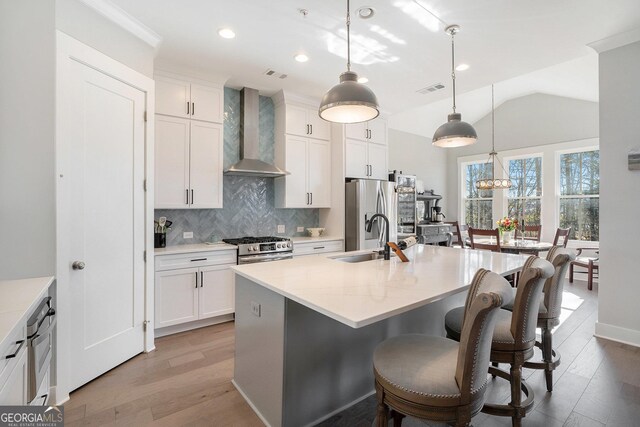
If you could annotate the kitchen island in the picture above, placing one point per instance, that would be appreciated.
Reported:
(306, 328)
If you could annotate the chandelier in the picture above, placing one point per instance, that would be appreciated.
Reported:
(494, 183)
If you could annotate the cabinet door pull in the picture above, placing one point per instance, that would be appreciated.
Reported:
(318, 247)
(192, 196)
(311, 202)
(15, 353)
(311, 127)
(198, 259)
(196, 280)
(188, 112)
(187, 191)
(370, 170)
(201, 279)
(193, 108)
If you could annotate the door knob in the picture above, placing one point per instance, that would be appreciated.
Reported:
(78, 265)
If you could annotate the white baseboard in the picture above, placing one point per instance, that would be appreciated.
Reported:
(169, 330)
(618, 334)
(246, 398)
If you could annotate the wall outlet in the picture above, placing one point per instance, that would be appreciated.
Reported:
(187, 235)
(281, 228)
(300, 229)
(255, 308)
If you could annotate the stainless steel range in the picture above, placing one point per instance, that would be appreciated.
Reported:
(262, 249)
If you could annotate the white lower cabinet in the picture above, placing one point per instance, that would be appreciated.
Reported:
(318, 247)
(14, 390)
(193, 287)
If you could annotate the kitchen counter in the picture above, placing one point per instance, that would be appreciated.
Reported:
(359, 294)
(18, 298)
(307, 239)
(198, 247)
(306, 328)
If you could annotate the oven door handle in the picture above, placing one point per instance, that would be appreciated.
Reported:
(263, 258)
(40, 336)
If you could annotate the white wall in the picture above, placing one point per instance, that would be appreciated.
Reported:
(619, 292)
(415, 155)
(529, 121)
(27, 90)
(83, 23)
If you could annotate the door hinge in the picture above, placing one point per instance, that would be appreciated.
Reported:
(144, 185)
(144, 256)
(145, 116)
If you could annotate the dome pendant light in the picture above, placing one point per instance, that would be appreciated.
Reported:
(349, 101)
(494, 183)
(454, 133)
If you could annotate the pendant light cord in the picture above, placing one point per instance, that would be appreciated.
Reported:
(348, 38)
(453, 68)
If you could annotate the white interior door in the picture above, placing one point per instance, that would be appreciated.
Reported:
(102, 214)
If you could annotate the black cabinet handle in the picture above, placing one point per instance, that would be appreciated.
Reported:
(193, 108)
(201, 279)
(15, 353)
(311, 126)
(192, 196)
(311, 202)
(187, 191)
(318, 247)
(198, 259)
(188, 112)
(196, 280)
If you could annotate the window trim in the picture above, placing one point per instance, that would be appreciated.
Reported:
(462, 168)
(505, 194)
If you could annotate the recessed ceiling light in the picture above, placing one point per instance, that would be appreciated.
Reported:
(301, 57)
(226, 33)
(363, 80)
(366, 12)
(462, 67)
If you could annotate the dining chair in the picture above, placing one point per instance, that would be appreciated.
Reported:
(514, 336)
(562, 234)
(590, 263)
(549, 312)
(530, 232)
(479, 232)
(458, 240)
(437, 379)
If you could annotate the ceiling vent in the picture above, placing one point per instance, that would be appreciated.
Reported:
(272, 73)
(432, 88)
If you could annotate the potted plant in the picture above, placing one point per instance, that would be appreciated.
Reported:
(507, 227)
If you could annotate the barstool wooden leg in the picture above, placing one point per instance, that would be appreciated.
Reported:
(516, 393)
(382, 409)
(397, 418)
(547, 357)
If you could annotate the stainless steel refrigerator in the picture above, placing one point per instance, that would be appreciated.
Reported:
(363, 199)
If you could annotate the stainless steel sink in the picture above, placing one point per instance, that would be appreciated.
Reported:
(369, 256)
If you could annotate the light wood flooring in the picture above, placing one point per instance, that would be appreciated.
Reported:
(187, 382)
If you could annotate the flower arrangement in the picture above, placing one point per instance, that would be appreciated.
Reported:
(507, 224)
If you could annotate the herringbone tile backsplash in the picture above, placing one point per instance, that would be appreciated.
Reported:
(249, 208)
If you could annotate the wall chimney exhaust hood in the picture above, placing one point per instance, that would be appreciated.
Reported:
(250, 164)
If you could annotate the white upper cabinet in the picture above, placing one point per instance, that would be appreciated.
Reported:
(372, 131)
(377, 160)
(189, 161)
(181, 98)
(356, 164)
(304, 121)
(302, 149)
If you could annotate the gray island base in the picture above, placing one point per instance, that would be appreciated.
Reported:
(305, 332)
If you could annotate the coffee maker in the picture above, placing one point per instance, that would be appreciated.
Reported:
(436, 214)
(431, 212)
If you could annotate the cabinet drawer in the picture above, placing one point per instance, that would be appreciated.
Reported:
(11, 347)
(196, 259)
(311, 248)
(444, 229)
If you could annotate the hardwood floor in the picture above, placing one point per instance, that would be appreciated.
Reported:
(187, 382)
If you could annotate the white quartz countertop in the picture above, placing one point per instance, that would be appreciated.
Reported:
(17, 299)
(305, 239)
(359, 294)
(199, 247)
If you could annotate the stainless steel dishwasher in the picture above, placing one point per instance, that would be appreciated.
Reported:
(40, 328)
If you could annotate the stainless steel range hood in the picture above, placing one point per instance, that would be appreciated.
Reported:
(250, 164)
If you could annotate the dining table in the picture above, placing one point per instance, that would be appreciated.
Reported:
(517, 246)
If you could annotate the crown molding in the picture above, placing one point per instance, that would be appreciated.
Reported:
(121, 18)
(616, 41)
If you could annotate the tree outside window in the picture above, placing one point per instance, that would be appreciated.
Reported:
(478, 204)
(580, 194)
(524, 197)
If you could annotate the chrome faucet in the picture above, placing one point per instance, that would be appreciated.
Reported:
(387, 248)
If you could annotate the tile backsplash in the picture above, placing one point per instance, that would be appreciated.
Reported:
(249, 207)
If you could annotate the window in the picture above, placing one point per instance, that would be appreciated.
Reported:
(580, 194)
(478, 204)
(525, 195)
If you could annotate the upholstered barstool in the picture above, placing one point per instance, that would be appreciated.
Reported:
(549, 311)
(514, 336)
(435, 378)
